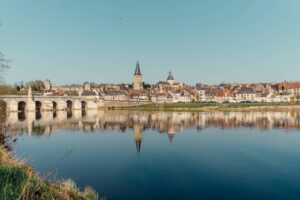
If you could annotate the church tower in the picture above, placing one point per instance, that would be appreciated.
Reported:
(137, 78)
(170, 78)
(138, 136)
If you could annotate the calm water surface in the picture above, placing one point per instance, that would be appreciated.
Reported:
(166, 155)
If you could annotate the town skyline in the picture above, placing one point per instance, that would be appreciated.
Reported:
(45, 95)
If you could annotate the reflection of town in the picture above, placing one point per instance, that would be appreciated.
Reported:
(169, 123)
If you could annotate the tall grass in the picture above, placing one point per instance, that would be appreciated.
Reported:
(20, 182)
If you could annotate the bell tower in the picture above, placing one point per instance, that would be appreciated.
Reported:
(138, 136)
(137, 78)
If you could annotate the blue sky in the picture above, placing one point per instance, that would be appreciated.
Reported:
(208, 41)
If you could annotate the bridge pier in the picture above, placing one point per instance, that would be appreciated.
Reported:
(47, 105)
(91, 105)
(30, 106)
(12, 106)
(61, 105)
(76, 105)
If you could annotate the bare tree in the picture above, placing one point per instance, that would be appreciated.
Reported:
(3, 63)
(3, 127)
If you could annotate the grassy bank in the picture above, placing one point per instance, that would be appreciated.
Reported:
(18, 181)
(217, 107)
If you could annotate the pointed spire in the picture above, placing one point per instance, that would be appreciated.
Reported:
(170, 77)
(138, 144)
(171, 137)
(137, 69)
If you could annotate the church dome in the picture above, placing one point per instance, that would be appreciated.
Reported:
(170, 77)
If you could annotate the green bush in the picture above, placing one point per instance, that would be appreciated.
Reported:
(11, 182)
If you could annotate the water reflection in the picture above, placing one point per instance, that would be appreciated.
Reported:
(170, 123)
(238, 154)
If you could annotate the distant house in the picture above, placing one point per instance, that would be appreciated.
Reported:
(223, 96)
(201, 92)
(185, 97)
(201, 95)
(265, 97)
(175, 95)
(161, 98)
(259, 88)
(137, 95)
(290, 89)
(115, 96)
(246, 94)
(211, 94)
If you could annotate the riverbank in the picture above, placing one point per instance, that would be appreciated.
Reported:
(206, 107)
(18, 181)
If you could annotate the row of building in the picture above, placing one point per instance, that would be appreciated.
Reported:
(172, 91)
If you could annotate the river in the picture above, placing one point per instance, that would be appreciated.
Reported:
(165, 155)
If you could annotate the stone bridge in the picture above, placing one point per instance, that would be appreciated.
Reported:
(15, 103)
(42, 103)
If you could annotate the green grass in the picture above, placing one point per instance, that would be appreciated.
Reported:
(11, 182)
(18, 181)
(204, 106)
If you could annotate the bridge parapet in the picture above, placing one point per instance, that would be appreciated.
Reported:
(34, 103)
(17, 103)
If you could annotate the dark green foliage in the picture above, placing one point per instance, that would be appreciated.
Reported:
(146, 86)
(36, 85)
(12, 180)
(2, 122)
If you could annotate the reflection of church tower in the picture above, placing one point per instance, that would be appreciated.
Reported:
(137, 78)
(171, 133)
(138, 136)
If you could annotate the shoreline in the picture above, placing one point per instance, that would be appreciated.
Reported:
(199, 107)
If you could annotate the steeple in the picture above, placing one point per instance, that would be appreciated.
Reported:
(138, 144)
(137, 69)
(170, 77)
(138, 136)
(137, 78)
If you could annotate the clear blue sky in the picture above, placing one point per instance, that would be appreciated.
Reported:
(209, 41)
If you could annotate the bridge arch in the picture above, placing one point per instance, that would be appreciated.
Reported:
(21, 116)
(21, 106)
(38, 105)
(83, 105)
(54, 105)
(69, 105)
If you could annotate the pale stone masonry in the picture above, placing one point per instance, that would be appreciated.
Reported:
(137, 78)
